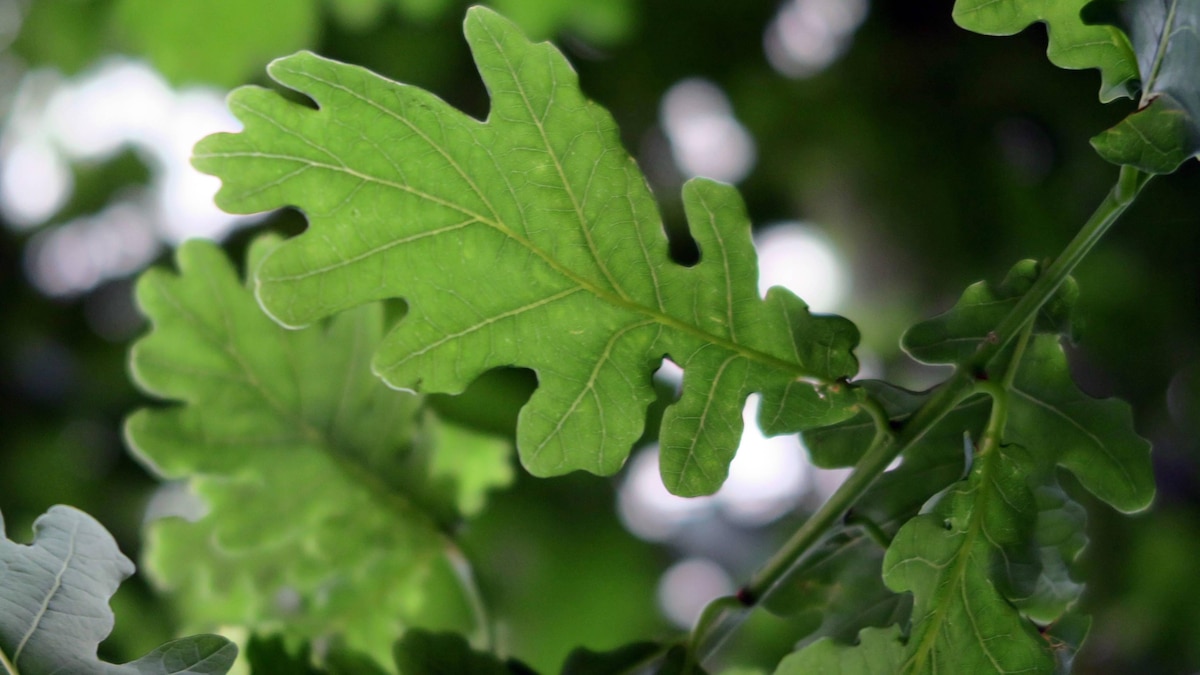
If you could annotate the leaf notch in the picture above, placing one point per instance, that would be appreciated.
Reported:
(529, 239)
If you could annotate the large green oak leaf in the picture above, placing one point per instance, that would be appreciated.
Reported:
(329, 497)
(1144, 48)
(54, 609)
(529, 239)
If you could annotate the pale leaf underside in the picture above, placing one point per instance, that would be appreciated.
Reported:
(54, 611)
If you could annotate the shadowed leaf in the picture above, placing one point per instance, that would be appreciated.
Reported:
(1165, 131)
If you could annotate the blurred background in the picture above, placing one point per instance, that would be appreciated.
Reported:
(888, 160)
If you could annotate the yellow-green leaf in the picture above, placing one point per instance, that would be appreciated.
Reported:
(529, 239)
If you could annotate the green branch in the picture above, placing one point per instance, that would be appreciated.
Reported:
(889, 442)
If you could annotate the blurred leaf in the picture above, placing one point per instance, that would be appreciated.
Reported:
(344, 662)
(221, 42)
(423, 10)
(66, 34)
(623, 659)
(540, 540)
(879, 651)
(1157, 615)
(269, 656)
(529, 240)
(290, 428)
(423, 653)
(97, 182)
(678, 663)
(54, 610)
(359, 14)
(1165, 131)
(1073, 44)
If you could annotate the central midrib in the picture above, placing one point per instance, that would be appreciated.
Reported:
(796, 369)
(611, 298)
(962, 559)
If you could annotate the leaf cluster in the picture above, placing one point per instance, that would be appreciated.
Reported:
(531, 240)
(988, 558)
(1148, 49)
(330, 495)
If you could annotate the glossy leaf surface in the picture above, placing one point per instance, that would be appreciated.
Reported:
(54, 611)
(530, 239)
(328, 495)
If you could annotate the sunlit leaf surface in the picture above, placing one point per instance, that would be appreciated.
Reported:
(529, 239)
